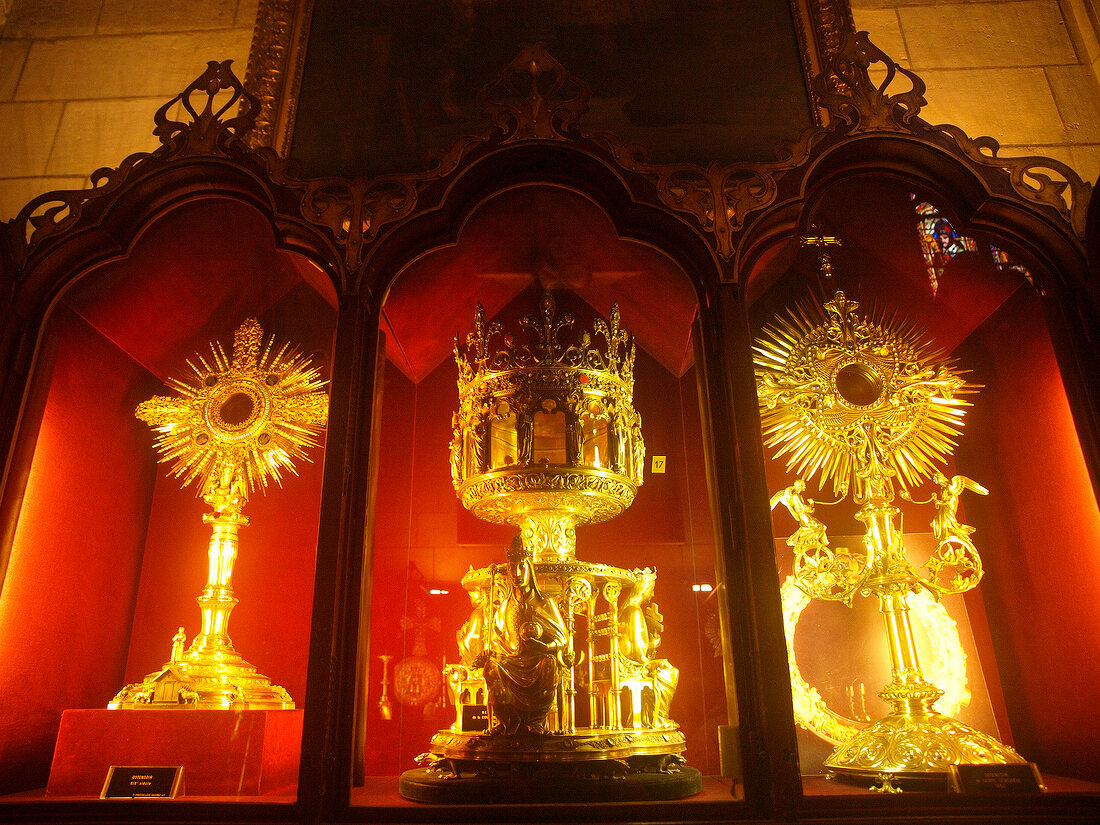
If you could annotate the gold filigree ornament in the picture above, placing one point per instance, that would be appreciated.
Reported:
(859, 400)
(235, 424)
(869, 404)
(946, 668)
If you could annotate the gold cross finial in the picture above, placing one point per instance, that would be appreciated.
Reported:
(825, 261)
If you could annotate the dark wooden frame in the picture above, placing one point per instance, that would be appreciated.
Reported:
(61, 235)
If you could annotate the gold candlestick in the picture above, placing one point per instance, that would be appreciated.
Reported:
(235, 424)
(869, 405)
(385, 706)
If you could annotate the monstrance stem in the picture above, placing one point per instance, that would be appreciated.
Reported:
(909, 692)
(216, 600)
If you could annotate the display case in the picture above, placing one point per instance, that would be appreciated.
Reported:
(977, 303)
(543, 334)
(492, 344)
(109, 553)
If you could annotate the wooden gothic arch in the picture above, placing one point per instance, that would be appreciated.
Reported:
(714, 222)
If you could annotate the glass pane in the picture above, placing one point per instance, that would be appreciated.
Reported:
(549, 434)
(594, 427)
(899, 454)
(108, 660)
(559, 600)
(505, 439)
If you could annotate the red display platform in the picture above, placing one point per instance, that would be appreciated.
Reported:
(223, 752)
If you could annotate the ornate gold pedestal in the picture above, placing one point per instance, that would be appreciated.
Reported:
(870, 405)
(211, 673)
(234, 425)
(559, 686)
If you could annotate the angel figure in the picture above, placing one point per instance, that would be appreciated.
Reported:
(810, 532)
(946, 526)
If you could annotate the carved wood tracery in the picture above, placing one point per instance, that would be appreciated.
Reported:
(535, 100)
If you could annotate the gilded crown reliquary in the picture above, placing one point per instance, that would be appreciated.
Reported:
(559, 676)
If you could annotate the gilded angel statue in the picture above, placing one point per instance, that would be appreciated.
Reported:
(946, 526)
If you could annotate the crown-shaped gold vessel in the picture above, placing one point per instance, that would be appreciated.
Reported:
(546, 436)
(559, 684)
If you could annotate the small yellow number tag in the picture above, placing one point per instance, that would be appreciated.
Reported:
(658, 463)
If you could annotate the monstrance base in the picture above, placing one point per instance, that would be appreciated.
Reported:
(468, 767)
(207, 680)
(915, 750)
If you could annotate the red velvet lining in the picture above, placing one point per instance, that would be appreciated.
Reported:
(546, 236)
(109, 553)
(73, 576)
(223, 753)
(1038, 535)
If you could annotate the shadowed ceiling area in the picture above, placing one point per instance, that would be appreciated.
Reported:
(190, 280)
(535, 238)
(880, 264)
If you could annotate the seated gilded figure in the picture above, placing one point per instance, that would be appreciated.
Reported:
(525, 652)
(640, 628)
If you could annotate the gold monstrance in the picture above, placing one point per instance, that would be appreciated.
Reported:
(869, 404)
(234, 424)
(559, 686)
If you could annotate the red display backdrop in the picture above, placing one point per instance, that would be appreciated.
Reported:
(222, 753)
(1040, 536)
(1038, 531)
(72, 581)
(110, 553)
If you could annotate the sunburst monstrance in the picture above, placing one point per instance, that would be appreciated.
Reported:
(846, 393)
(235, 423)
(869, 403)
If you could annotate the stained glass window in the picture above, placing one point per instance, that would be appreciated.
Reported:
(939, 240)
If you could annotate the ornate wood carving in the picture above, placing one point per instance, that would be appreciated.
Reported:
(717, 197)
(850, 95)
(535, 99)
(354, 210)
(210, 132)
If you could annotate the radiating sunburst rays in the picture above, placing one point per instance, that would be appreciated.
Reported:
(857, 399)
(242, 420)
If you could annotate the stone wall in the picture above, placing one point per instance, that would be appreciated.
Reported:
(80, 81)
(1021, 71)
